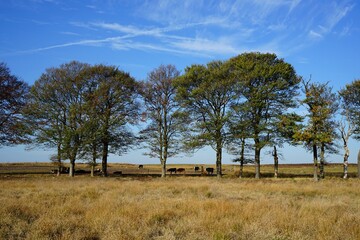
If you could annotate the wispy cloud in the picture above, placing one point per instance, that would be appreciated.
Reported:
(89, 42)
(126, 45)
(328, 18)
(83, 25)
(206, 46)
(135, 31)
(91, 6)
(315, 35)
(216, 28)
(70, 33)
(40, 22)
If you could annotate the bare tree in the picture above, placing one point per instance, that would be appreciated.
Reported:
(346, 130)
(161, 134)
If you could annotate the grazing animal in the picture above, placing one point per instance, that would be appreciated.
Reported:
(210, 170)
(81, 171)
(196, 168)
(62, 170)
(181, 170)
(172, 170)
(141, 166)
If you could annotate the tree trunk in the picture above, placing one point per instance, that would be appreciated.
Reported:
(257, 159)
(358, 164)
(93, 162)
(315, 162)
(72, 168)
(92, 169)
(218, 161)
(276, 163)
(59, 159)
(164, 156)
(218, 153)
(104, 158)
(72, 158)
(163, 169)
(242, 158)
(241, 169)
(322, 161)
(164, 143)
(346, 159)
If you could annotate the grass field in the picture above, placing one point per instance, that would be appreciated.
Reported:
(43, 206)
(229, 170)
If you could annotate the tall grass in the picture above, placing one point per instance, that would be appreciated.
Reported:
(178, 208)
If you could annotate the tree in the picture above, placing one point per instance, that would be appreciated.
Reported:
(48, 125)
(239, 132)
(55, 106)
(80, 109)
(162, 133)
(13, 93)
(205, 93)
(92, 148)
(268, 86)
(111, 107)
(287, 125)
(346, 129)
(351, 98)
(322, 105)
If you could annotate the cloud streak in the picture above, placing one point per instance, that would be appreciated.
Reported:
(216, 28)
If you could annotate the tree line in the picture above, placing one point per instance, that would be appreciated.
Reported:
(246, 103)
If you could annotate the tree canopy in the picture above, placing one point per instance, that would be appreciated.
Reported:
(13, 92)
(267, 88)
(111, 106)
(206, 92)
(55, 107)
(76, 105)
(162, 134)
(351, 97)
(320, 130)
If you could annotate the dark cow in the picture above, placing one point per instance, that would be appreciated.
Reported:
(81, 171)
(180, 170)
(141, 166)
(196, 168)
(117, 172)
(210, 170)
(172, 170)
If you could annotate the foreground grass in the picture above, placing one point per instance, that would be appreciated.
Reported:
(178, 208)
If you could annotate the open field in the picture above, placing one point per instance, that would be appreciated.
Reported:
(178, 208)
(229, 170)
(43, 206)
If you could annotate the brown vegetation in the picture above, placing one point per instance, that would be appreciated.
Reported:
(50, 207)
(229, 170)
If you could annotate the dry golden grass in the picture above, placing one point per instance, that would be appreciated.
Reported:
(47, 207)
(229, 170)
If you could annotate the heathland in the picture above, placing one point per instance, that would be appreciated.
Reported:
(138, 205)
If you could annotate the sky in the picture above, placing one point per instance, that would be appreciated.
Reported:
(321, 39)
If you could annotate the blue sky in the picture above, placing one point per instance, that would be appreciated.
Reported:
(319, 38)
